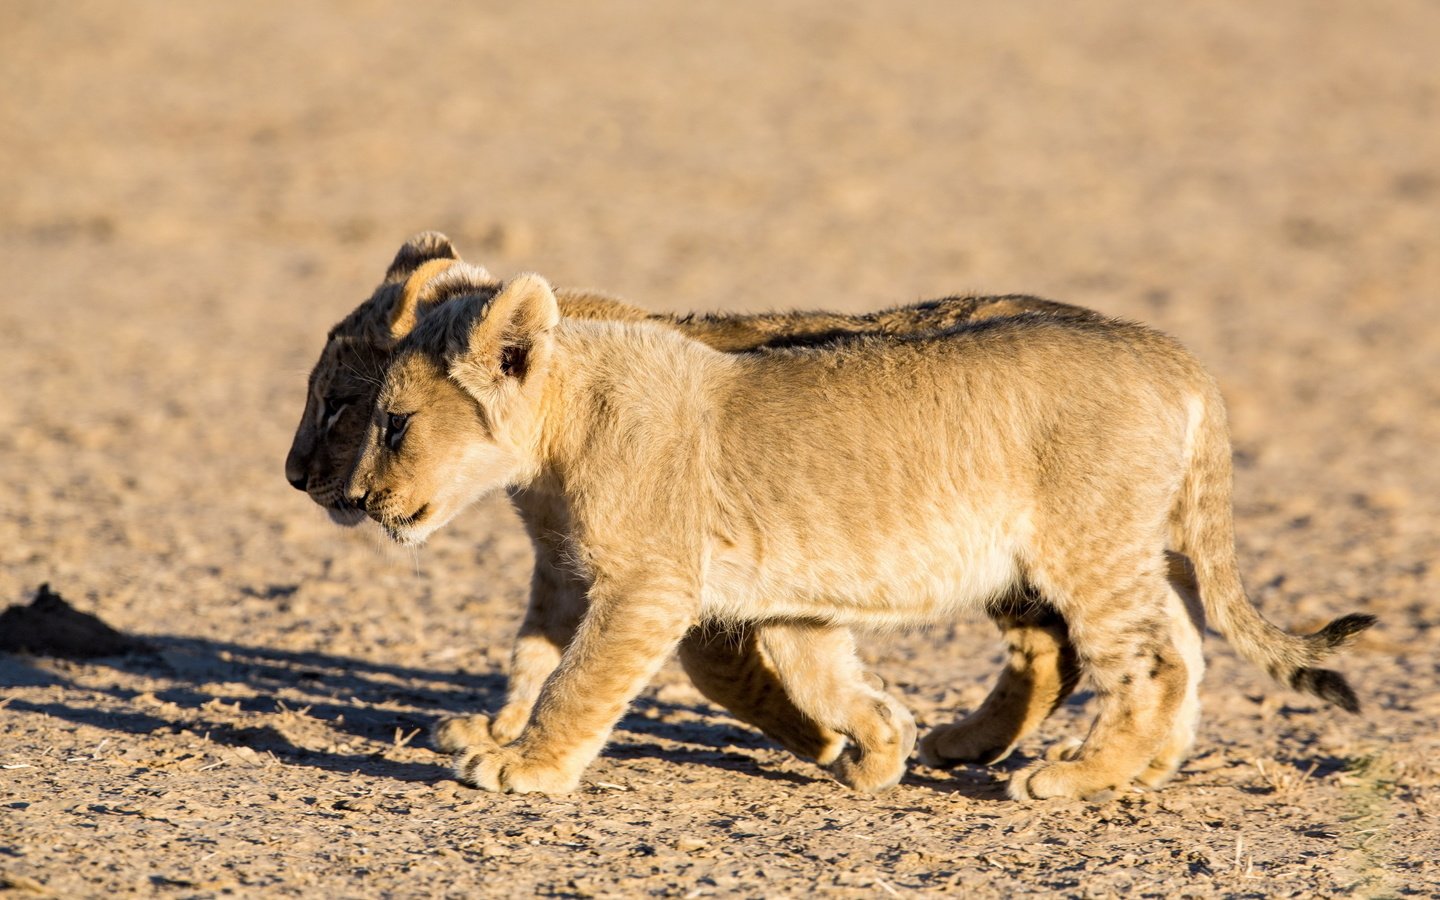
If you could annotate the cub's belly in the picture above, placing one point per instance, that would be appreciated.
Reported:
(910, 583)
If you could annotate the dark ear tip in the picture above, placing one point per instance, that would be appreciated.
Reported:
(420, 249)
(432, 245)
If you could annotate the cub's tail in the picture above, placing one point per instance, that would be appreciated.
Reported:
(1205, 532)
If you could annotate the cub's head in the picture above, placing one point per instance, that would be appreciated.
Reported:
(345, 379)
(459, 408)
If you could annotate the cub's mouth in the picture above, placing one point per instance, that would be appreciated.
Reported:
(331, 498)
(342, 512)
(415, 517)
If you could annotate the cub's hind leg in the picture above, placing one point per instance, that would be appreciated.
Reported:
(1123, 634)
(1187, 625)
(1039, 674)
(728, 664)
(1042, 671)
(822, 675)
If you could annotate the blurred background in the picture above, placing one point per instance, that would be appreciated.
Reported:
(192, 193)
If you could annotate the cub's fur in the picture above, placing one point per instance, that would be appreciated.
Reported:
(730, 665)
(866, 481)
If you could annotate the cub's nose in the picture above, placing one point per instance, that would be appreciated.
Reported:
(297, 467)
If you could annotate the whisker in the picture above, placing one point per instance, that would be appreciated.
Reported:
(376, 382)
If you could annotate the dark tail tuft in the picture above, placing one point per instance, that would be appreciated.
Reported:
(1323, 683)
(1340, 631)
(1327, 685)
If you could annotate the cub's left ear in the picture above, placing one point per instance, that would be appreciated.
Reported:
(417, 251)
(433, 283)
(510, 339)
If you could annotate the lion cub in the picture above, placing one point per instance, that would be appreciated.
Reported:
(871, 481)
(729, 665)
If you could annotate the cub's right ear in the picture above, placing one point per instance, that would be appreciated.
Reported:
(434, 282)
(509, 341)
(420, 249)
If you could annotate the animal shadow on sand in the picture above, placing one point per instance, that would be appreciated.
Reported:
(300, 705)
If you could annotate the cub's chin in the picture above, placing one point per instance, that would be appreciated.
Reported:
(409, 535)
(414, 529)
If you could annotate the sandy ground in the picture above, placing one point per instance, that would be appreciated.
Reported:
(190, 194)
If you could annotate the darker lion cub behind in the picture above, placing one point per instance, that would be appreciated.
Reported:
(869, 481)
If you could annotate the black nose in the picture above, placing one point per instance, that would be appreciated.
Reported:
(298, 483)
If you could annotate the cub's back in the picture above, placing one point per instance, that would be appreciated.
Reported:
(864, 422)
(996, 371)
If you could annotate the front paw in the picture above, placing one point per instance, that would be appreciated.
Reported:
(507, 770)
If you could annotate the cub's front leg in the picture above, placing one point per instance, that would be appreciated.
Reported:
(631, 626)
(557, 601)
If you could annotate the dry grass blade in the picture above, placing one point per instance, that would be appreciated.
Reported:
(1283, 781)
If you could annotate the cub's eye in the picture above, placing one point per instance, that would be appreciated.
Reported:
(395, 425)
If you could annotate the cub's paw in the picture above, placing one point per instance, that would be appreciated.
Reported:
(876, 760)
(830, 744)
(800, 735)
(455, 733)
(1170, 758)
(947, 746)
(1161, 769)
(1063, 781)
(506, 770)
(508, 723)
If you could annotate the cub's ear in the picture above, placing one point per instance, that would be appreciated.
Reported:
(432, 283)
(510, 340)
(420, 249)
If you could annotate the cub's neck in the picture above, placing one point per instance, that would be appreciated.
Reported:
(623, 387)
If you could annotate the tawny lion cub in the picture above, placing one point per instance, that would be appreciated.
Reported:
(729, 665)
(869, 482)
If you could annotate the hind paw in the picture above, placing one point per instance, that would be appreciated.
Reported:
(878, 764)
(1063, 781)
(947, 746)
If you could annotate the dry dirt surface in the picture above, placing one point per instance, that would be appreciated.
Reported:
(192, 193)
